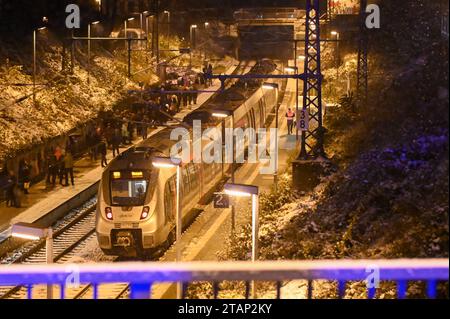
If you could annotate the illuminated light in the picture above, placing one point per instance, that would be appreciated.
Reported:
(108, 213)
(221, 115)
(42, 28)
(240, 190)
(130, 19)
(116, 174)
(145, 212)
(25, 236)
(270, 86)
(162, 165)
(334, 33)
(166, 162)
(95, 22)
(206, 24)
(237, 193)
(301, 57)
(290, 69)
(137, 174)
(194, 26)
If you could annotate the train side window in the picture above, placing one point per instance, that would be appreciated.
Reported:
(193, 175)
(169, 199)
(186, 181)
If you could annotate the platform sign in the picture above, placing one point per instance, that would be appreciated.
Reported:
(303, 120)
(221, 200)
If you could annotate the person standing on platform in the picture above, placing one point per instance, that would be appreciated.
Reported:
(102, 150)
(11, 192)
(290, 116)
(116, 140)
(68, 167)
(24, 176)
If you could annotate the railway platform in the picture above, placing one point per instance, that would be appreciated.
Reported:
(42, 200)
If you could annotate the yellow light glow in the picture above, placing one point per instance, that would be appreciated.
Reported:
(116, 174)
(137, 174)
(163, 165)
(222, 115)
(237, 193)
(25, 236)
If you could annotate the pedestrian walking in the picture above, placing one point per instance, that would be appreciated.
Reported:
(68, 168)
(290, 116)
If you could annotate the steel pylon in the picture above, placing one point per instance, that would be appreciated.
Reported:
(312, 139)
(362, 72)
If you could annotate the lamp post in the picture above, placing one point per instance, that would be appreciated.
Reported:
(240, 190)
(33, 232)
(338, 58)
(223, 114)
(34, 63)
(89, 49)
(192, 40)
(206, 36)
(126, 27)
(167, 162)
(147, 27)
(275, 86)
(168, 28)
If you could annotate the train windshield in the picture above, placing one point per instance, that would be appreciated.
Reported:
(129, 190)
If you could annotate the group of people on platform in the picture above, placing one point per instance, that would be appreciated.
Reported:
(112, 132)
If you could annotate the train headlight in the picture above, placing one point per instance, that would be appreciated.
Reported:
(108, 213)
(145, 212)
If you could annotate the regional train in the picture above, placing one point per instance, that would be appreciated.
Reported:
(136, 209)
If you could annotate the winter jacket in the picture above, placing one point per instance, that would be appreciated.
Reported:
(68, 161)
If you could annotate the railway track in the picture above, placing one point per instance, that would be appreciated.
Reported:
(70, 236)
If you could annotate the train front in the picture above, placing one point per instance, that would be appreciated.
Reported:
(127, 223)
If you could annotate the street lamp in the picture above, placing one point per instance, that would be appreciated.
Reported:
(192, 34)
(240, 190)
(338, 58)
(33, 232)
(89, 49)
(126, 27)
(275, 86)
(192, 41)
(147, 23)
(167, 162)
(223, 114)
(168, 28)
(34, 59)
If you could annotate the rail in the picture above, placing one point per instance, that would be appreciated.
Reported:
(142, 275)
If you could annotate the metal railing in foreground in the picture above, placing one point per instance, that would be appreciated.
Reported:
(142, 275)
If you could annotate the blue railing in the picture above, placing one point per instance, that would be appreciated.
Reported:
(141, 276)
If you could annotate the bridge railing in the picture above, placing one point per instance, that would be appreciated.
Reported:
(141, 276)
